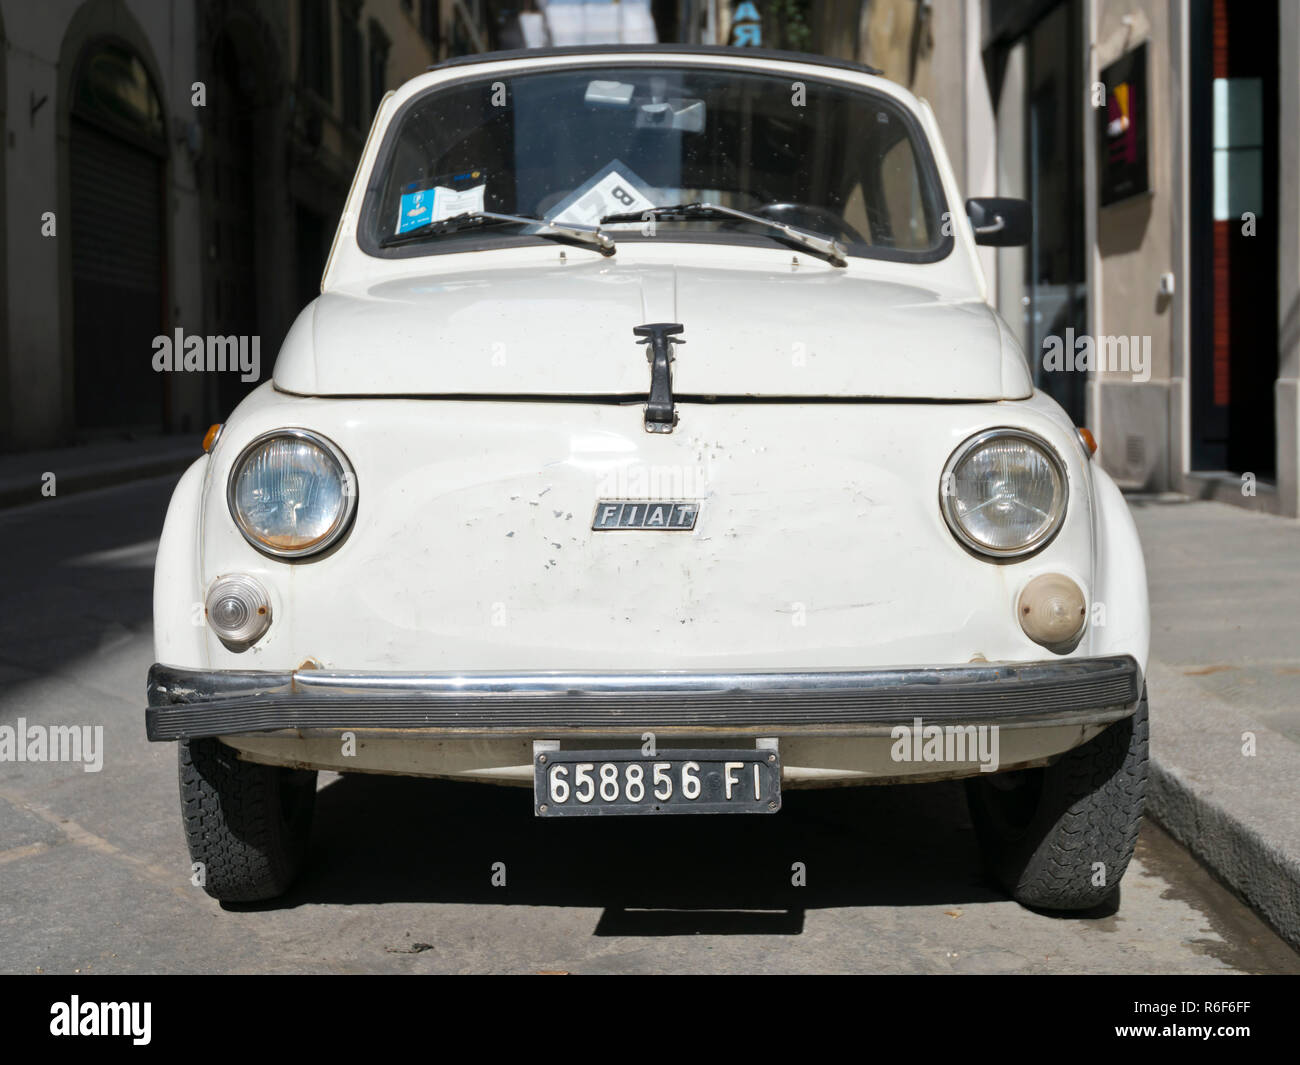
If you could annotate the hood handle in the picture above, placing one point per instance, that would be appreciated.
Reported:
(660, 338)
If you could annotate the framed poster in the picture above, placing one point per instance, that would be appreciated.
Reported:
(1122, 133)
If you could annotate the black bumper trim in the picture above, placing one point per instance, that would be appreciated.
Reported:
(186, 703)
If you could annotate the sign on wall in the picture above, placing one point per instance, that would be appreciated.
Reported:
(1122, 133)
(746, 26)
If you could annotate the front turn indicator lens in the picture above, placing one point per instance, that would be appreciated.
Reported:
(239, 610)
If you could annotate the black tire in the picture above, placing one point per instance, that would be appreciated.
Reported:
(1042, 831)
(247, 823)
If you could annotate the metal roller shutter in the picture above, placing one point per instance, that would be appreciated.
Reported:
(117, 277)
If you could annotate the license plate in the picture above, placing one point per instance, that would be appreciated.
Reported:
(587, 783)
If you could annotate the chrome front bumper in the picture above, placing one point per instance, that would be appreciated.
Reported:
(188, 703)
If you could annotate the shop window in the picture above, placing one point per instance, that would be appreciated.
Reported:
(350, 55)
(113, 87)
(379, 46)
(314, 56)
(1238, 147)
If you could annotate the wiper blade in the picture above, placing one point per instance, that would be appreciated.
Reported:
(590, 235)
(827, 247)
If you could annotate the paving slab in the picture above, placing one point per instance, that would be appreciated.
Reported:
(1224, 687)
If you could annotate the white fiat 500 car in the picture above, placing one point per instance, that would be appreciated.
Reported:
(652, 444)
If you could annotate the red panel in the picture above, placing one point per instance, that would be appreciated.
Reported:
(1220, 38)
(1222, 311)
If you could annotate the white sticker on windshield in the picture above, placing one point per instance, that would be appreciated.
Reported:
(447, 203)
(615, 190)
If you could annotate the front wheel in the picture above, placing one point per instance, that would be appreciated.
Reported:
(246, 824)
(1061, 837)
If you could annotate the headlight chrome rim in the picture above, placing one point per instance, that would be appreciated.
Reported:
(947, 499)
(350, 493)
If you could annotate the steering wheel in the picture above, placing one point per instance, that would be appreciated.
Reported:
(806, 216)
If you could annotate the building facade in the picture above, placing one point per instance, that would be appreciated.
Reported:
(176, 171)
(1157, 140)
(1159, 144)
(181, 167)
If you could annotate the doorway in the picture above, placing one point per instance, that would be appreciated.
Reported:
(116, 159)
(232, 237)
(1056, 291)
(1233, 216)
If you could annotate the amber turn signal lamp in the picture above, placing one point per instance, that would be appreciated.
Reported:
(210, 437)
(1089, 441)
(1052, 611)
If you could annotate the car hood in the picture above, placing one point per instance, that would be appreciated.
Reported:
(566, 330)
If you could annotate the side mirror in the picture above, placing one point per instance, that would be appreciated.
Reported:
(1000, 221)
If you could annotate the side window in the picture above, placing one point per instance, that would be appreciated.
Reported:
(855, 212)
(900, 189)
(884, 199)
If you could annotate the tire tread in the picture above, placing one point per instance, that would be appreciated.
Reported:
(231, 812)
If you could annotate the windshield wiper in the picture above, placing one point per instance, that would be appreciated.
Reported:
(829, 249)
(590, 235)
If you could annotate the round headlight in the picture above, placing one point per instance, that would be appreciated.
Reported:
(1003, 493)
(292, 493)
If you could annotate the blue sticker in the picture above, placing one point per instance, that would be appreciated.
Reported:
(416, 210)
(434, 199)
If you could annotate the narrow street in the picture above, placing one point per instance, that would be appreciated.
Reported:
(94, 876)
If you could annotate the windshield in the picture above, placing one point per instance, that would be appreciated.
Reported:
(575, 146)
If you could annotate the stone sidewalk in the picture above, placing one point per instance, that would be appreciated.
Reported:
(1224, 680)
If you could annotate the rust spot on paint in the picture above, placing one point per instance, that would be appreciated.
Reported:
(307, 663)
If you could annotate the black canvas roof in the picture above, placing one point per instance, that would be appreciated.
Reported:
(657, 49)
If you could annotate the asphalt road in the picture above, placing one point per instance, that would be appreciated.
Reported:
(94, 875)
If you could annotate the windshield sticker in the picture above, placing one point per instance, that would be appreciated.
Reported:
(613, 190)
(450, 195)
